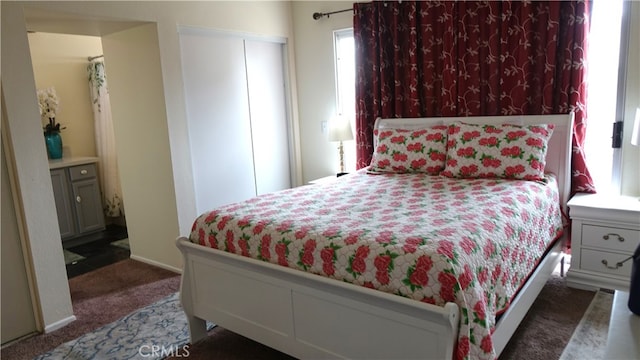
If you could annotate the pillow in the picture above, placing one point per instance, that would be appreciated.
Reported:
(410, 150)
(497, 151)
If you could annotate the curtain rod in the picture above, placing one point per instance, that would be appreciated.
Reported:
(318, 15)
(90, 58)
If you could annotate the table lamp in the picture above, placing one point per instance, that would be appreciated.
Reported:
(340, 130)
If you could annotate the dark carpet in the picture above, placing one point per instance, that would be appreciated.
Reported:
(550, 322)
(105, 295)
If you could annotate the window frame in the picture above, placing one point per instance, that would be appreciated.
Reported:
(340, 96)
(625, 28)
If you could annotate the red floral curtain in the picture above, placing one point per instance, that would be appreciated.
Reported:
(465, 58)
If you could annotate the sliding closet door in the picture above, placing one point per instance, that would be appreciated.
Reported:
(237, 115)
(267, 107)
(216, 97)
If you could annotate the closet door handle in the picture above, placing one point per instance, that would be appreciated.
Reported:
(620, 238)
(78, 199)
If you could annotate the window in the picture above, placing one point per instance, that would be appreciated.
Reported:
(345, 65)
(605, 102)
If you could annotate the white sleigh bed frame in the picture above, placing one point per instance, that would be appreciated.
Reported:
(309, 316)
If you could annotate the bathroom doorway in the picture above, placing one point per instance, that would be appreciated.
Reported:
(85, 180)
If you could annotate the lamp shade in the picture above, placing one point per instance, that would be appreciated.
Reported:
(635, 134)
(340, 129)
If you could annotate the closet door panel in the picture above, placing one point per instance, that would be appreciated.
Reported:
(269, 125)
(216, 98)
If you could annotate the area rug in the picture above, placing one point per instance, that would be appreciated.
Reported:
(589, 340)
(155, 331)
(71, 257)
(122, 243)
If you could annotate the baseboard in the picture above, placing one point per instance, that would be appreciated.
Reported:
(59, 324)
(586, 280)
(15, 341)
(156, 263)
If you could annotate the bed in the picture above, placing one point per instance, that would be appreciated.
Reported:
(248, 267)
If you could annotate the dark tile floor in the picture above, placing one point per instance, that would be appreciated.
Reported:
(97, 250)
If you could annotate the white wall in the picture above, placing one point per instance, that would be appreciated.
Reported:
(60, 60)
(142, 138)
(26, 154)
(316, 81)
(17, 306)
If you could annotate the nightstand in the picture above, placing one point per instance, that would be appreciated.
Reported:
(605, 231)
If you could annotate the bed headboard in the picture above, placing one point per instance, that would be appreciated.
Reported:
(558, 152)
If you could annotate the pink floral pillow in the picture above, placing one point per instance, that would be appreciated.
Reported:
(497, 151)
(421, 150)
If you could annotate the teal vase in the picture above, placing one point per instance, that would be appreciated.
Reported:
(54, 145)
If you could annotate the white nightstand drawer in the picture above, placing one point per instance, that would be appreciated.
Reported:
(595, 261)
(610, 238)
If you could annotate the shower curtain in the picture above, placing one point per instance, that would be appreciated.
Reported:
(105, 140)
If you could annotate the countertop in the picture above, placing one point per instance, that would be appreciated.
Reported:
(71, 161)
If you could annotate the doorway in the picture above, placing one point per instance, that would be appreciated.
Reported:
(141, 133)
(91, 236)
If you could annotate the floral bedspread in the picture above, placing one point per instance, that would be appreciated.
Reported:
(428, 238)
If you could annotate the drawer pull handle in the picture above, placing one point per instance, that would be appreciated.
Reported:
(618, 264)
(78, 199)
(84, 172)
(605, 263)
(620, 238)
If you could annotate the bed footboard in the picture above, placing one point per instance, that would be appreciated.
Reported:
(308, 316)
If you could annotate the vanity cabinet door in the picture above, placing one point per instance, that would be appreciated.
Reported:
(89, 215)
(63, 204)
